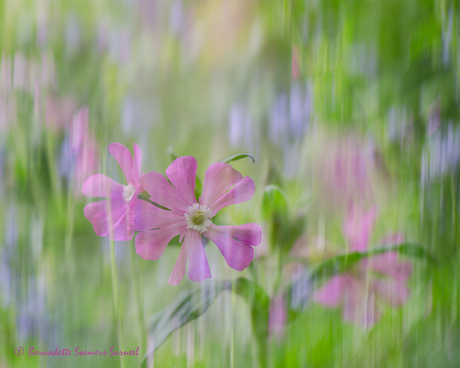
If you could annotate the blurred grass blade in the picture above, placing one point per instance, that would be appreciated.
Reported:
(237, 157)
(191, 304)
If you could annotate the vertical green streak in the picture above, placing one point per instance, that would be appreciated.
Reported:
(454, 208)
(69, 229)
(140, 302)
(115, 301)
(259, 303)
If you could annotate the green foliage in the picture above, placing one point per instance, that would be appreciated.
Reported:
(284, 227)
(191, 304)
(237, 157)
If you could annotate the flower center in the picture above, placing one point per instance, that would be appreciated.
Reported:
(198, 218)
(128, 192)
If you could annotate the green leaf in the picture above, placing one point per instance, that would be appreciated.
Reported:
(341, 263)
(237, 157)
(273, 202)
(192, 303)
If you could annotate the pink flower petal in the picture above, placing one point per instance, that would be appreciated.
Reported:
(163, 193)
(278, 317)
(122, 155)
(331, 294)
(145, 216)
(92, 209)
(392, 239)
(392, 292)
(249, 234)
(198, 268)
(99, 185)
(114, 224)
(151, 244)
(179, 268)
(218, 180)
(241, 192)
(237, 254)
(358, 226)
(181, 173)
(360, 307)
(389, 265)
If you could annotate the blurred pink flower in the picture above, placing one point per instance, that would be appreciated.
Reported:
(295, 70)
(7, 112)
(222, 187)
(80, 153)
(59, 111)
(110, 217)
(379, 278)
(346, 169)
(277, 317)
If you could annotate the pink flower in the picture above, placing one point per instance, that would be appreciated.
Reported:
(222, 187)
(110, 217)
(345, 169)
(59, 111)
(277, 318)
(379, 278)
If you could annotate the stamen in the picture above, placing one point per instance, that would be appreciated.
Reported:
(128, 192)
(198, 218)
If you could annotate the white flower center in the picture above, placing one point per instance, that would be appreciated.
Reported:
(128, 192)
(198, 218)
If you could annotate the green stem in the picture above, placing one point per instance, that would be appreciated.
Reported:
(70, 219)
(259, 303)
(115, 300)
(262, 351)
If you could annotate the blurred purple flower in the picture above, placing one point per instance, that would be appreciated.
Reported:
(289, 121)
(442, 153)
(79, 154)
(240, 130)
(290, 118)
(279, 120)
(223, 186)
(176, 18)
(379, 278)
(32, 316)
(11, 232)
(110, 217)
